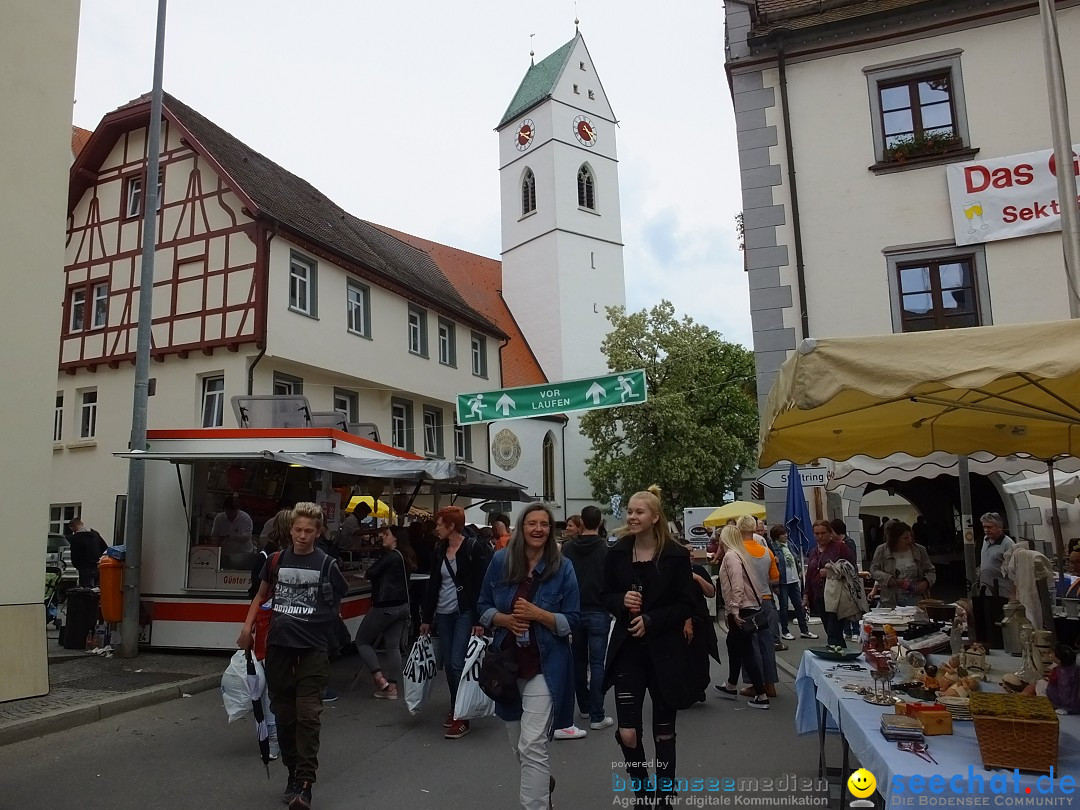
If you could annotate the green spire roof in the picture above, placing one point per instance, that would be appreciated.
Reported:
(538, 84)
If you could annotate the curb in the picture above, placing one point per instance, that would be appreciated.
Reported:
(64, 719)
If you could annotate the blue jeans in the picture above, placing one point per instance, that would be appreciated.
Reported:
(589, 650)
(454, 632)
(792, 591)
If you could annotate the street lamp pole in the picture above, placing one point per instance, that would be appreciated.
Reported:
(1063, 153)
(133, 523)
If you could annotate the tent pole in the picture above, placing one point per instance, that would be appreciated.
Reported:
(966, 525)
(1059, 543)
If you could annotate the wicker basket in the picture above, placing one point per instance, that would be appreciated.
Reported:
(1015, 731)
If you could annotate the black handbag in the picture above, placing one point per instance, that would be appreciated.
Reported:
(756, 621)
(499, 669)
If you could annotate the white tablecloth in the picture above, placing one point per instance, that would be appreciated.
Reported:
(957, 754)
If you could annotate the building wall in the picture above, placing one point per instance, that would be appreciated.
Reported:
(37, 81)
(850, 215)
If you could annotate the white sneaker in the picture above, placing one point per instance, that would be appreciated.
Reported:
(571, 733)
(599, 725)
(787, 636)
(808, 635)
(275, 749)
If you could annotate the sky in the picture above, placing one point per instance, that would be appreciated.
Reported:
(373, 103)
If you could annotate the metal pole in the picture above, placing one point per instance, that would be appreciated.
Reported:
(129, 633)
(1063, 153)
(966, 525)
(1059, 543)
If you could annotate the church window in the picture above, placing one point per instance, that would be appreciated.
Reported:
(528, 192)
(586, 189)
(576, 90)
(581, 65)
(549, 467)
(592, 95)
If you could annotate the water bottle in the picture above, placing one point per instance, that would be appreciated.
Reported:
(523, 638)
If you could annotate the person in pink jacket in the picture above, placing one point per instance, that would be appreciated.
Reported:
(741, 601)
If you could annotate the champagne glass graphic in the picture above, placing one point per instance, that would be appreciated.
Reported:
(972, 211)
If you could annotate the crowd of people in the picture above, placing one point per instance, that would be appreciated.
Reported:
(579, 613)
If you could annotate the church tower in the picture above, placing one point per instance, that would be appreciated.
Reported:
(562, 251)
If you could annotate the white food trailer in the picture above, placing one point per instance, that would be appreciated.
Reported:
(193, 589)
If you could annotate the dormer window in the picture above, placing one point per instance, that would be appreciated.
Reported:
(528, 192)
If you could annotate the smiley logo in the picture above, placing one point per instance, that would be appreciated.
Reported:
(861, 783)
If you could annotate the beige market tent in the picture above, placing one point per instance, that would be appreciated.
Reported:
(734, 510)
(1000, 389)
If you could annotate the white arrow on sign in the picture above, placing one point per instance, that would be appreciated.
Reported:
(811, 477)
(505, 404)
(596, 390)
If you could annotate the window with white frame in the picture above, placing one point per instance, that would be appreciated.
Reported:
(917, 110)
(417, 331)
(586, 189)
(61, 514)
(101, 306)
(213, 401)
(303, 285)
(286, 385)
(401, 424)
(938, 288)
(447, 342)
(479, 355)
(134, 196)
(88, 402)
(77, 310)
(528, 192)
(433, 440)
(462, 443)
(358, 308)
(348, 402)
(58, 418)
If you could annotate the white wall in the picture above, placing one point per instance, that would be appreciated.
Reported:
(37, 82)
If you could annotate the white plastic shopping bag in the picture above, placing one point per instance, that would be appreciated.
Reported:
(472, 703)
(419, 673)
(235, 690)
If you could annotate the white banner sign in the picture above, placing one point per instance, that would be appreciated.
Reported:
(1005, 197)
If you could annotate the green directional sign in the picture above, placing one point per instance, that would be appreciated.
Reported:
(591, 393)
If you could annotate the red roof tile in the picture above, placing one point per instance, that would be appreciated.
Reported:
(479, 281)
(79, 137)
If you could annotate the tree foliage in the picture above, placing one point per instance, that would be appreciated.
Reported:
(698, 430)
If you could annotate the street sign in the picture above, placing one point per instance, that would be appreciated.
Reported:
(811, 477)
(589, 394)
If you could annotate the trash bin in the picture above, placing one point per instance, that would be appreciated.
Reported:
(82, 616)
(111, 579)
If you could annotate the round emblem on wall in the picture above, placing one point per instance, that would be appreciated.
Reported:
(506, 449)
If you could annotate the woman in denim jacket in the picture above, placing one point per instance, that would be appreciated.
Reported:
(538, 627)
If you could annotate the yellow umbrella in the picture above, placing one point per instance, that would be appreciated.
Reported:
(1001, 389)
(383, 512)
(735, 509)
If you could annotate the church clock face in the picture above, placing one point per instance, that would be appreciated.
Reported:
(584, 130)
(524, 138)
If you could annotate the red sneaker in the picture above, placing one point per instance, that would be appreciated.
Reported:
(457, 730)
(449, 721)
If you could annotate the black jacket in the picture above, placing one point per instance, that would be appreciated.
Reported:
(587, 553)
(87, 546)
(665, 609)
(389, 580)
(472, 561)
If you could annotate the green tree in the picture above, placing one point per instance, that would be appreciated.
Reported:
(698, 430)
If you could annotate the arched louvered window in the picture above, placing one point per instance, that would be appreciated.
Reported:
(586, 188)
(528, 192)
(549, 467)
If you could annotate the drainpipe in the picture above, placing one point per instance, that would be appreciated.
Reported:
(263, 266)
(796, 222)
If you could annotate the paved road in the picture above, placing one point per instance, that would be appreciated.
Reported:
(375, 756)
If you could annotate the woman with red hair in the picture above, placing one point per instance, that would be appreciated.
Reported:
(458, 566)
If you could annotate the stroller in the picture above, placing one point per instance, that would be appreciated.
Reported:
(53, 576)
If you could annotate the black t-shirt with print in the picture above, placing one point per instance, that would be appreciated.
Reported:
(302, 615)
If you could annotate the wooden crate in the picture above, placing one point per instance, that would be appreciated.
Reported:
(1016, 731)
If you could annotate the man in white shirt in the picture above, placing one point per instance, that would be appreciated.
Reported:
(232, 528)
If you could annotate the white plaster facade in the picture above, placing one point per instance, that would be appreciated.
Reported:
(36, 88)
(855, 218)
(563, 262)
